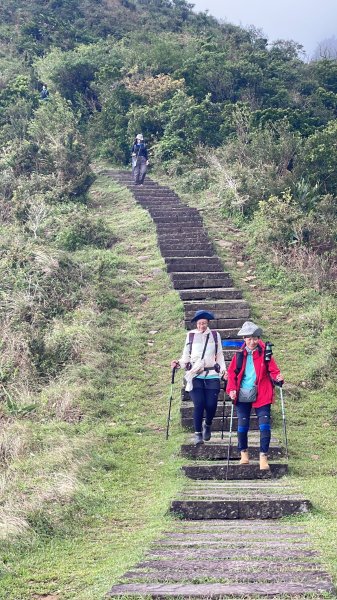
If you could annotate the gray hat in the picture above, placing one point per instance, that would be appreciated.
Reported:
(249, 328)
(139, 136)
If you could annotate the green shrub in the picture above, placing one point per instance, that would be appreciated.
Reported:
(85, 232)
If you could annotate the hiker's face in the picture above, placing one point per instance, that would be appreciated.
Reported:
(251, 342)
(202, 325)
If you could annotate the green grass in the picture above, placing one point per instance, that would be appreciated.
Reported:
(114, 474)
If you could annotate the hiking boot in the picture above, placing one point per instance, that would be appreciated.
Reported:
(198, 438)
(206, 432)
(244, 458)
(264, 466)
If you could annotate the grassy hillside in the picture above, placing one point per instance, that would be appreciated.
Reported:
(89, 322)
(87, 476)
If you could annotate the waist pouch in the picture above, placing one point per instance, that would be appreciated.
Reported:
(247, 395)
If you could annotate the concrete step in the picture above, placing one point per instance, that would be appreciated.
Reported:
(166, 240)
(170, 220)
(191, 253)
(208, 294)
(218, 307)
(217, 449)
(200, 264)
(229, 334)
(168, 211)
(239, 499)
(154, 576)
(180, 231)
(171, 204)
(169, 240)
(157, 195)
(217, 423)
(152, 192)
(225, 508)
(175, 235)
(199, 280)
(217, 324)
(200, 247)
(218, 591)
(246, 506)
(219, 471)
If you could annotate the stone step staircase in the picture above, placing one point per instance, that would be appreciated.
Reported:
(226, 542)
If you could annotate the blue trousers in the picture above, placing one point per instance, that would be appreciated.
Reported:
(205, 399)
(243, 410)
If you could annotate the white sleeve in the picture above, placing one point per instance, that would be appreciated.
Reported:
(186, 356)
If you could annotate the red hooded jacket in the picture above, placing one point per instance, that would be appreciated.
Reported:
(264, 373)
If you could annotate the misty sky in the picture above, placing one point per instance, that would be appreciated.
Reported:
(305, 21)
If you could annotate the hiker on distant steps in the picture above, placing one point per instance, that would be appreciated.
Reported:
(204, 362)
(44, 94)
(139, 159)
(250, 386)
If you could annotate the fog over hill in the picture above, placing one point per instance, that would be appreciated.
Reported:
(302, 21)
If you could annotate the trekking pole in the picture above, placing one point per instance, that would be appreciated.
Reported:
(284, 423)
(223, 418)
(230, 439)
(170, 403)
(223, 410)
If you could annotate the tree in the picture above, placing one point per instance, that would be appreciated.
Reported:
(319, 158)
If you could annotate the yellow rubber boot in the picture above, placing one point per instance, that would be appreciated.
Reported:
(264, 466)
(244, 457)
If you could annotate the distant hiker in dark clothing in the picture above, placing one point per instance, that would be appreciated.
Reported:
(204, 363)
(44, 95)
(139, 160)
(250, 385)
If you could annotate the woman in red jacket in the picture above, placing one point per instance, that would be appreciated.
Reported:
(250, 386)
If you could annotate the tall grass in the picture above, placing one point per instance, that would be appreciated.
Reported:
(88, 476)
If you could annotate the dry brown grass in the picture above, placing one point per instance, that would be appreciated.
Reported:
(14, 441)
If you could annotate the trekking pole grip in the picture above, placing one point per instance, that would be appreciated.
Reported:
(279, 383)
(173, 374)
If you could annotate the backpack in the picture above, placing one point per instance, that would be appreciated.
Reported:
(267, 356)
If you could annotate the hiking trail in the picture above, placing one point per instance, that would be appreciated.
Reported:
(227, 541)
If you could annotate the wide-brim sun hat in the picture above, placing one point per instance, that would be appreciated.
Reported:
(250, 329)
(202, 314)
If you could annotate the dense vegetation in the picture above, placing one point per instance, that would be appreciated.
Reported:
(245, 126)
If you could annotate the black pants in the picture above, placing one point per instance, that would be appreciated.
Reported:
(205, 399)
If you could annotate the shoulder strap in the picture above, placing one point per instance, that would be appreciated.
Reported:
(215, 338)
(190, 340)
(239, 362)
(205, 346)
